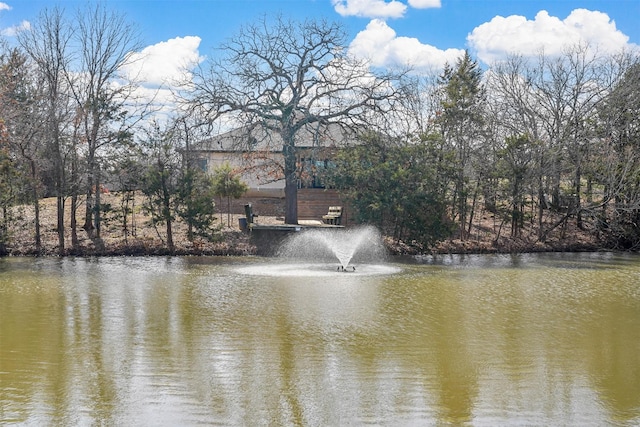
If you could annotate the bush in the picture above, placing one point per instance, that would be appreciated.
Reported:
(400, 188)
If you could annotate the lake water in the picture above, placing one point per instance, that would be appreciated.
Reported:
(523, 340)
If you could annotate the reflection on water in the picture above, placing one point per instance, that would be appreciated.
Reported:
(477, 340)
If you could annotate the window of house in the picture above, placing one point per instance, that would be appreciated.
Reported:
(203, 164)
(312, 172)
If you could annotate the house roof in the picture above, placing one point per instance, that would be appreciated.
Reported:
(258, 138)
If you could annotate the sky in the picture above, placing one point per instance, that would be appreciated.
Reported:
(422, 33)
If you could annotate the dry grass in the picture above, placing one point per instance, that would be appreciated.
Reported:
(143, 239)
(140, 239)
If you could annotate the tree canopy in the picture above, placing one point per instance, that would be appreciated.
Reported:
(283, 77)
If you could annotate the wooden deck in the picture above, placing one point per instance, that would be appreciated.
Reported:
(313, 203)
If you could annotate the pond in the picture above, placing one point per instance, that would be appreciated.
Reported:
(546, 339)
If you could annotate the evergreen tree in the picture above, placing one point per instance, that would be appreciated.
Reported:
(400, 188)
(461, 122)
(195, 203)
(226, 183)
(160, 179)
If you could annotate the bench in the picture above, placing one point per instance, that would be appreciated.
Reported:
(248, 211)
(334, 216)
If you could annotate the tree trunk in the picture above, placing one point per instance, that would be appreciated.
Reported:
(60, 224)
(579, 221)
(97, 207)
(516, 208)
(36, 204)
(89, 205)
(170, 237)
(133, 213)
(291, 197)
(36, 208)
(291, 183)
(75, 243)
(166, 212)
(473, 208)
(462, 206)
(60, 193)
(542, 202)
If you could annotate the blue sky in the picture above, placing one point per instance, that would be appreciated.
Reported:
(422, 33)
(441, 24)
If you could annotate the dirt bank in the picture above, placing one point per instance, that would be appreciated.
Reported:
(143, 239)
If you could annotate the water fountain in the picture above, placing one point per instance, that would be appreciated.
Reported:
(344, 245)
(328, 251)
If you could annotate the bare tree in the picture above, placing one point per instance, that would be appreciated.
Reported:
(553, 103)
(513, 113)
(160, 150)
(282, 79)
(105, 41)
(617, 166)
(47, 44)
(22, 118)
(568, 89)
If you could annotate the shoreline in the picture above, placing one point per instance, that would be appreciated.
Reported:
(237, 243)
(146, 240)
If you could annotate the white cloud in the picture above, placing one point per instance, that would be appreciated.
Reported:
(165, 63)
(380, 44)
(160, 68)
(371, 8)
(502, 36)
(14, 30)
(425, 4)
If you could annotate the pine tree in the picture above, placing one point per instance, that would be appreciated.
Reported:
(461, 121)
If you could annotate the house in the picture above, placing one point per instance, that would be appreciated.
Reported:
(256, 154)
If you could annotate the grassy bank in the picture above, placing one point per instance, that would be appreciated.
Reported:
(142, 238)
